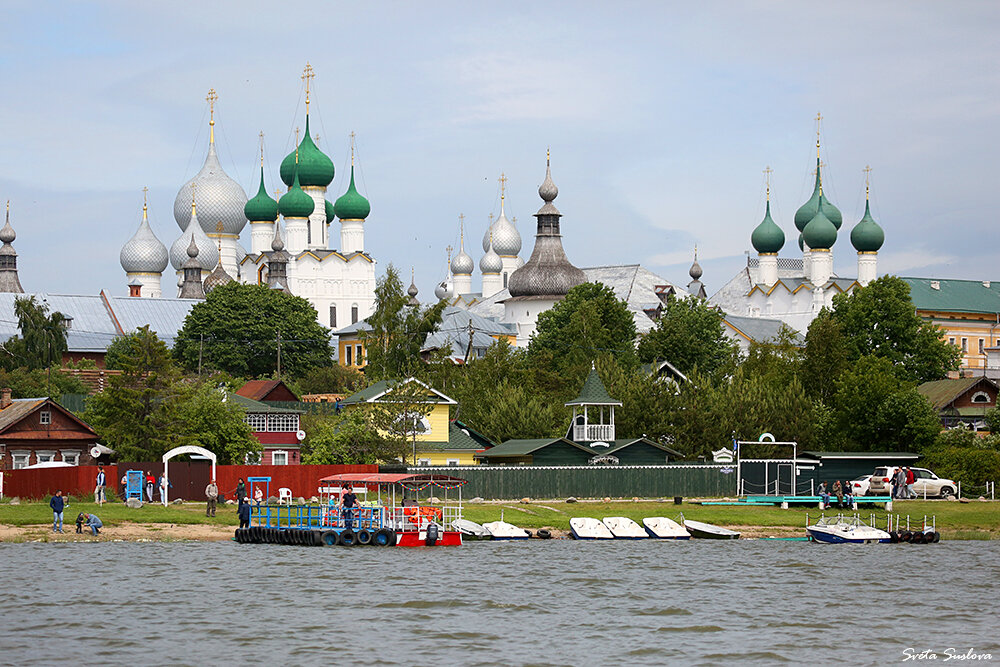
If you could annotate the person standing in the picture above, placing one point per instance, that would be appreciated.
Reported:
(838, 491)
(244, 513)
(212, 494)
(99, 486)
(150, 481)
(911, 478)
(122, 489)
(57, 503)
(901, 491)
(241, 492)
(348, 501)
(163, 484)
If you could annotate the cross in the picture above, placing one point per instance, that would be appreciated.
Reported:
(767, 177)
(503, 183)
(491, 219)
(144, 191)
(307, 75)
(821, 164)
(461, 228)
(211, 98)
(449, 249)
(352, 148)
(261, 148)
(513, 220)
(868, 171)
(192, 199)
(818, 119)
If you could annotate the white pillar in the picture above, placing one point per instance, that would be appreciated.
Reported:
(867, 267)
(296, 231)
(806, 261)
(317, 230)
(820, 266)
(492, 283)
(463, 283)
(768, 263)
(352, 236)
(261, 234)
(511, 263)
(151, 284)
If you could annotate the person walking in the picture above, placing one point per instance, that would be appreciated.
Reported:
(212, 494)
(901, 491)
(910, 479)
(57, 503)
(99, 485)
(241, 492)
(244, 512)
(163, 484)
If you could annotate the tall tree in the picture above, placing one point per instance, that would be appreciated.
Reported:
(824, 357)
(690, 335)
(398, 330)
(242, 329)
(347, 438)
(880, 320)
(206, 418)
(43, 336)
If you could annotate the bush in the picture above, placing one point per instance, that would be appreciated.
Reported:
(972, 466)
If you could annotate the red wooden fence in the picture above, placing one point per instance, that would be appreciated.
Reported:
(303, 480)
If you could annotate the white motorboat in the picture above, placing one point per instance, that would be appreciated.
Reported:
(624, 528)
(471, 530)
(586, 528)
(709, 532)
(501, 530)
(850, 530)
(665, 529)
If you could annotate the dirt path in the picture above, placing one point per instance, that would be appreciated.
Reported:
(127, 531)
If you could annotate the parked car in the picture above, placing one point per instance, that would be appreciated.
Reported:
(859, 486)
(925, 483)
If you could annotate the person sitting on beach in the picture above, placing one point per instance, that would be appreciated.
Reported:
(838, 491)
(824, 496)
(91, 521)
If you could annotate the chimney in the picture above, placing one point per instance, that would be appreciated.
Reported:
(5, 398)
(936, 284)
(986, 284)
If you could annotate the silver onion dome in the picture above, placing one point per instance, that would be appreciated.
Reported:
(7, 234)
(208, 254)
(440, 291)
(462, 264)
(506, 238)
(219, 198)
(491, 262)
(144, 253)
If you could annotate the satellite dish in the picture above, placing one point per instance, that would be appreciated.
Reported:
(300, 434)
(95, 452)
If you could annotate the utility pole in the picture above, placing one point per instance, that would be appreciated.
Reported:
(279, 354)
(468, 350)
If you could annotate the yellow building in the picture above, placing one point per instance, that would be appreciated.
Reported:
(442, 440)
(969, 313)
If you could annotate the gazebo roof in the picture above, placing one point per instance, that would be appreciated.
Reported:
(593, 392)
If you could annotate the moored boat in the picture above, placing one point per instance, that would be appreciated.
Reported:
(624, 528)
(587, 528)
(707, 531)
(471, 530)
(851, 530)
(501, 530)
(663, 528)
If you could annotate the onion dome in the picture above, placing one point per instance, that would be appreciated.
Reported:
(802, 246)
(412, 291)
(219, 198)
(351, 205)
(296, 203)
(217, 278)
(491, 262)
(7, 234)
(820, 233)
(261, 208)
(207, 255)
(808, 210)
(695, 271)
(867, 236)
(767, 237)
(547, 272)
(330, 213)
(315, 168)
(191, 287)
(506, 238)
(143, 253)
(461, 263)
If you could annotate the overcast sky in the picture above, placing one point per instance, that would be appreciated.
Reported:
(661, 118)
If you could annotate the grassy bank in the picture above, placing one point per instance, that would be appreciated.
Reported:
(973, 520)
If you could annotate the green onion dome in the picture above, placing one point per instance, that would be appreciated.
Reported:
(351, 205)
(767, 237)
(315, 168)
(261, 208)
(328, 207)
(820, 233)
(802, 246)
(296, 203)
(867, 236)
(808, 210)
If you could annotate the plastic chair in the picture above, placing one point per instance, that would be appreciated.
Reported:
(284, 496)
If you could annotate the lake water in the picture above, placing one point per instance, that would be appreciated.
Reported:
(548, 603)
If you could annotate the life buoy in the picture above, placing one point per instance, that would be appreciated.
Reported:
(364, 537)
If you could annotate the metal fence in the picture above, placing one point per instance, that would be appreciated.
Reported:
(512, 482)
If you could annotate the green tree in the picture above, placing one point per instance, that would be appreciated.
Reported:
(43, 336)
(690, 335)
(398, 331)
(347, 438)
(880, 320)
(137, 414)
(588, 322)
(39, 382)
(239, 329)
(206, 417)
(824, 358)
(333, 379)
(877, 411)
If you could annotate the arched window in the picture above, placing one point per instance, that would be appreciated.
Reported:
(981, 397)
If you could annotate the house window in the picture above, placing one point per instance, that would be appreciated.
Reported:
(283, 423)
(279, 457)
(333, 317)
(358, 355)
(965, 345)
(951, 341)
(349, 349)
(71, 457)
(981, 397)
(453, 462)
(354, 314)
(424, 462)
(44, 417)
(257, 421)
(982, 346)
(19, 459)
(45, 456)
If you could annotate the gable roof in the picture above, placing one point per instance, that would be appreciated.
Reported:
(955, 296)
(460, 438)
(252, 406)
(593, 392)
(942, 393)
(621, 443)
(23, 407)
(760, 329)
(376, 392)
(261, 390)
(526, 447)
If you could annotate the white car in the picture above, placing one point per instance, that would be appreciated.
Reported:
(859, 486)
(925, 483)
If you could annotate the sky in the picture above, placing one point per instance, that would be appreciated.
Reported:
(661, 118)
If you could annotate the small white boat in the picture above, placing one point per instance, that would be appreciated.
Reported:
(501, 530)
(851, 530)
(471, 530)
(586, 528)
(709, 532)
(665, 529)
(624, 528)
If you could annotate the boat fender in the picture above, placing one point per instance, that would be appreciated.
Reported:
(432, 535)
(297, 536)
(917, 538)
(364, 537)
(329, 538)
(383, 537)
(272, 536)
(544, 534)
(905, 536)
(317, 537)
(252, 534)
(238, 535)
(937, 537)
(348, 538)
(528, 532)
(893, 537)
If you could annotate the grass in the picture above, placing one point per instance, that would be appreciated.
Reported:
(113, 514)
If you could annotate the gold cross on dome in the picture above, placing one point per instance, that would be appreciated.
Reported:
(352, 148)
(307, 75)
(767, 177)
(144, 191)
(868, 172)
(211, 99)
(503, 184)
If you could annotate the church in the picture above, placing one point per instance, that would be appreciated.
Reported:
(290, 235)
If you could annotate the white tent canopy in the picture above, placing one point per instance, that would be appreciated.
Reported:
(186, 449)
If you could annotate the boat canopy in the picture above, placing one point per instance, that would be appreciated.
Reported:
(406, 480)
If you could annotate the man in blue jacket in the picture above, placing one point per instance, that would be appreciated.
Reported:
(92, 522)
(57, 503)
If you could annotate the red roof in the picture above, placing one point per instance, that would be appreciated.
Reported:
(395, 478)
(267, 390)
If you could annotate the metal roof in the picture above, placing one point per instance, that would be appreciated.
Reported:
(761, 329)
(955, 296)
